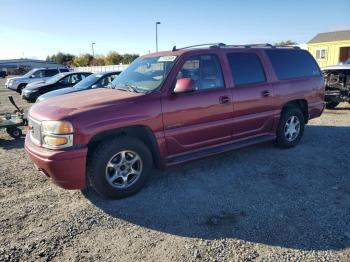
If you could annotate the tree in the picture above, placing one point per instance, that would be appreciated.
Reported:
(61, 58)
(98, 61)
(128, 58)
(82, 60)
(284, 43)
(113, 58)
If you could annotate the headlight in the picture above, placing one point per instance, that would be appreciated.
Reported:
(56, 134)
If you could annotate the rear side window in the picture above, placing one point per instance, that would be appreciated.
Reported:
(291, 63)
(51, 72)
(246, 68)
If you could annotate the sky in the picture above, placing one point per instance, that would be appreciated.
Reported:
(37, 28)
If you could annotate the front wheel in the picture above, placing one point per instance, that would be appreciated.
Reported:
(119, 168)
(291, 127)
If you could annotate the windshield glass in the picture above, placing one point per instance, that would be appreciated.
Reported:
(30, 73)
(145, 74)
(55, 78)
(88, 81)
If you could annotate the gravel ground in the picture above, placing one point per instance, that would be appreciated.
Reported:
(260, 203)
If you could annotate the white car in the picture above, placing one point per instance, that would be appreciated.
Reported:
(34, 75)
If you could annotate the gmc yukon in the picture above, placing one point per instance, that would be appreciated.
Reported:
(171, 107)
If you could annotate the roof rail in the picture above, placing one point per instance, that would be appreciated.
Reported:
(222, 45)
(211, 45)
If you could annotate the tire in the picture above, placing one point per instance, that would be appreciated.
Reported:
(331, 104)
(125, 178)
(291, 117)
(14, 132)
(20, 88)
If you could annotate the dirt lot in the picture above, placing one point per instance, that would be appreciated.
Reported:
(260, 203)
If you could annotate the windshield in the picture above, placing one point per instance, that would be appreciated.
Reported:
(30, 73)
(88, 81)
(145, 74)
(55, 78)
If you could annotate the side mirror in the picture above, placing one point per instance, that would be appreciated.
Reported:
(184, 85)
(94, 86)
(32, 76)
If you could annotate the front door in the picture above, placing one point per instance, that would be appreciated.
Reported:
(200, 118)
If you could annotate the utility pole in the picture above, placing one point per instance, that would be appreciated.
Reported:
(157, 23)
(92, 47)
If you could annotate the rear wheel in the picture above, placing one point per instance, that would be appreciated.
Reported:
(291, 127)
(14, 132)
(331, 104)
(119, 168)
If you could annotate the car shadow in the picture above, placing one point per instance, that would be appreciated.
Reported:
(297, 198)
(10, 143)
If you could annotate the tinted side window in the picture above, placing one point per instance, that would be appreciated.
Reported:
(246, 68)
(51, 72)
(204, 70)
(291, 63)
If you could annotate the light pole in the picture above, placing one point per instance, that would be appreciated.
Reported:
(157, 23)
(92, 47)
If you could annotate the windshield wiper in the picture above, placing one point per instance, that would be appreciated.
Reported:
(132, 88)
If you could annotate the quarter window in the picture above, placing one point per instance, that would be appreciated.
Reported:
(246, 68)
(204, 70)
(291, 63)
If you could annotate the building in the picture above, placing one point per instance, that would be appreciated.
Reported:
(330, 48)
(27, 64)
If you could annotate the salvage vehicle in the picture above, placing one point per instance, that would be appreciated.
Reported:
(337, 84)
(35, 75)
(62, 80)
(12, 121)
(97, 80)
(171, 107)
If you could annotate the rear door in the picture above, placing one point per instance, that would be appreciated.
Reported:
(200, 118)
(252, 94)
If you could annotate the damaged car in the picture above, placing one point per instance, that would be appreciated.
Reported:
(337, 80)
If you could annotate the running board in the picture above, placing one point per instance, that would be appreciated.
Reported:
(218, 149)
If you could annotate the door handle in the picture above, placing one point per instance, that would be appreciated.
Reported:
(224, 99)
(265, 93)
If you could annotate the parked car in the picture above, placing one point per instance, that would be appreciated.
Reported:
(62, 80)
(337, 84)
(3, 74)
(34, 75)
(98, 80)
(171, 107)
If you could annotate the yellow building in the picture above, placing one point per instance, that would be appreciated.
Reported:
(330, 48)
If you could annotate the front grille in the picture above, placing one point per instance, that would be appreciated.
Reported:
(35, 131)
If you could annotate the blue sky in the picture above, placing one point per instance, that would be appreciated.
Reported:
(37, 28)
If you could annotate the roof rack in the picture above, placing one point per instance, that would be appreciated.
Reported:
(222, 45)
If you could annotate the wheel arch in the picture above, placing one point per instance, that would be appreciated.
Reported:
(140, 132)
(299, 103)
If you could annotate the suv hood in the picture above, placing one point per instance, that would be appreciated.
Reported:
(61, 107)
(16, 78)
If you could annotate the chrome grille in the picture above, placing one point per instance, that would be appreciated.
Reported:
(35, 131)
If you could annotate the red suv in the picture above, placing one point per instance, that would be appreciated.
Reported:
(172, 107)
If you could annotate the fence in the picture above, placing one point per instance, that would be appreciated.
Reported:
(96, 69)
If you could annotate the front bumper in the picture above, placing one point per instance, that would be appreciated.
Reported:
(29, 96)
(66, 168)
